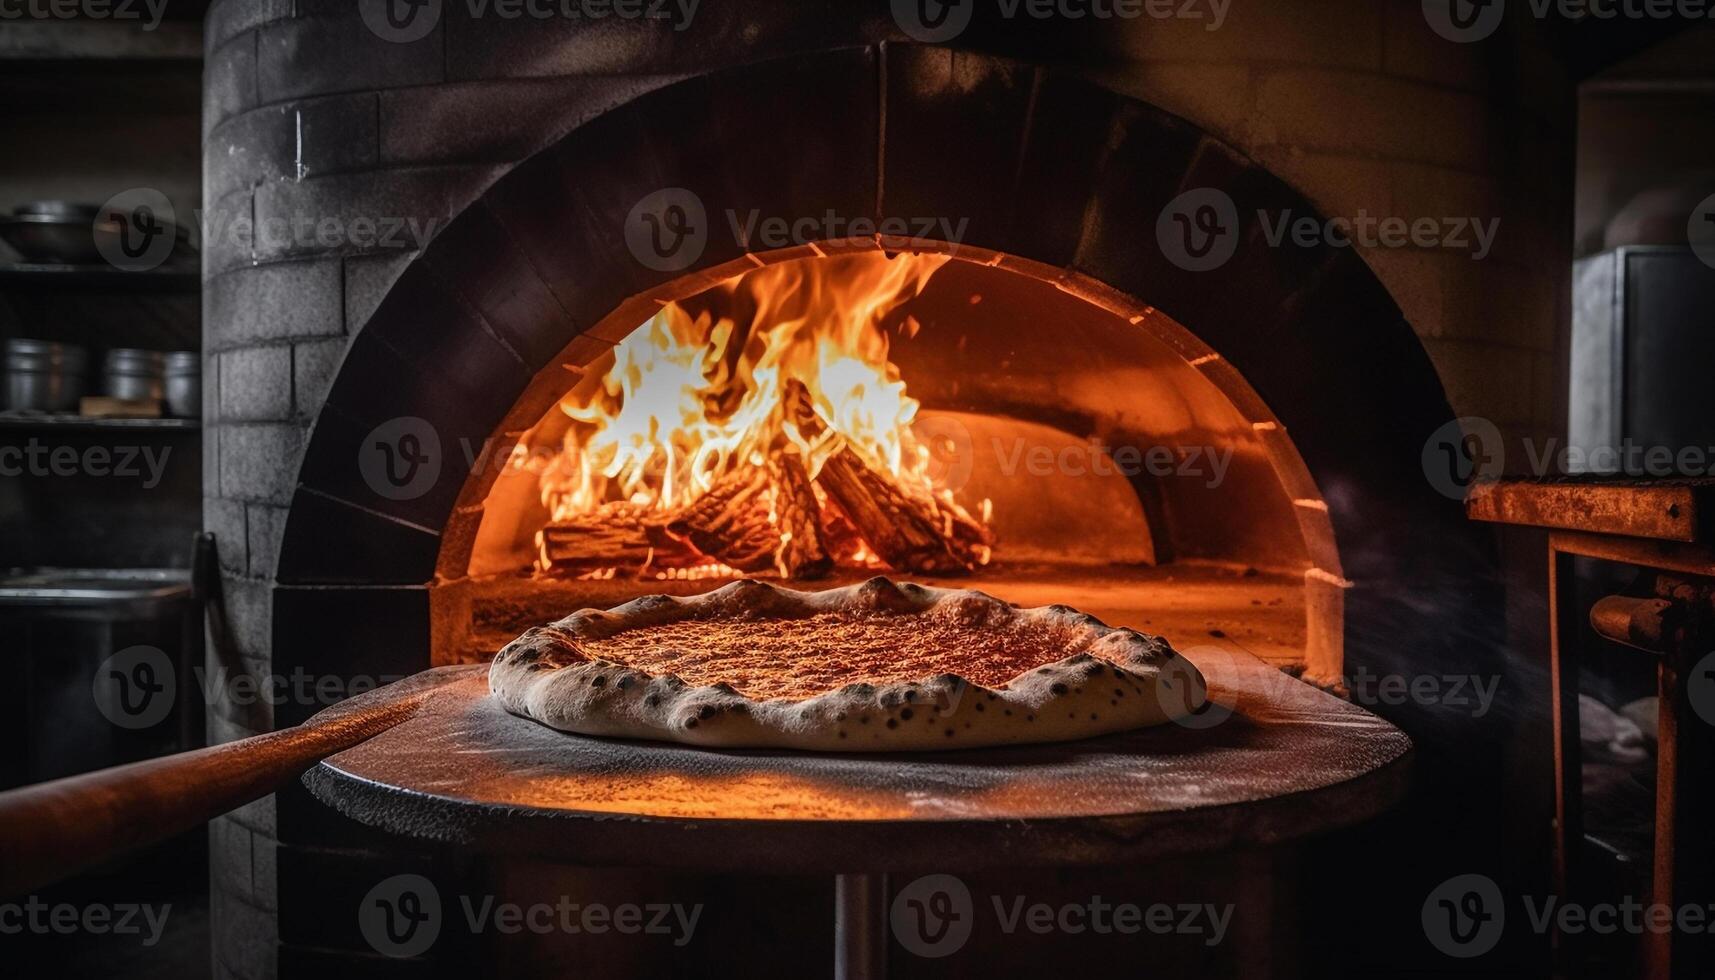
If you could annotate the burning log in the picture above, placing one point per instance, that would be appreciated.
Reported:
(760, 518)
(612, 537)
(756, 519)
(730, 522)
(802, 551)
(909, 534)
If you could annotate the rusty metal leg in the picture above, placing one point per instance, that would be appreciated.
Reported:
(1685, 805)
(860, 927)
(1564, 621)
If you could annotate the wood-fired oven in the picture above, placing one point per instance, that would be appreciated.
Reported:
(1229, 455)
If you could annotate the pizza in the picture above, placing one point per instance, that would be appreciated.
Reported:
(875, 667)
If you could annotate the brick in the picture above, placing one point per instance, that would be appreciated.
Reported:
(210, 461)
(1484, 380)
(314, 364)
(210, 389)
(1503, 304)
(229, 81)
(499, 287)
(1547, 408)
(499, 121)
(227, 232)
(260, 462)
(373, 549)
(248, 606)
(338, 134)
(367, 280)
(1416, 280)
(1436, 192)
(1219, 98)
(333, 53)
(258, 815)
(725, 34)
(232, 693)
(228, 18)
(256, 384)
(1339, 112)
(499, 47)
(248, 149)
(225, 520)
(1338, 185)
(264, 871)
(244, 936)
(229, 855)
(219, 729)
(279, 301)
(266, 524)
(390, 211)
(1411, 49)
(933, 141)
(1343, 35)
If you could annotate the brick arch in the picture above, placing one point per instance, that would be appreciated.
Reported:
(1048, 168)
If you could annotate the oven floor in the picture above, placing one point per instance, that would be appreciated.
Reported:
(1193, 606)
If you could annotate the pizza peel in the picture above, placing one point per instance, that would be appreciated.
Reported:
(53, 830)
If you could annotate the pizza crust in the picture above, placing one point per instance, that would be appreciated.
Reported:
(1121, 680)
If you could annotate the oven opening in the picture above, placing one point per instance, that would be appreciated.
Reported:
(927, 415)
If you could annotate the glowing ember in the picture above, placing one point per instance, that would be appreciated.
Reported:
(773, 435)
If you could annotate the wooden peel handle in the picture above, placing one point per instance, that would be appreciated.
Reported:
(53, 830)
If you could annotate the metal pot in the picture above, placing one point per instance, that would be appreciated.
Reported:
(136, 375)
(184, 384)
(68, 233)
(60, 209)
(42, 376)
(54, 238)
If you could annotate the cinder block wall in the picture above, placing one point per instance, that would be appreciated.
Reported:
(1361, 106)
(308, 115)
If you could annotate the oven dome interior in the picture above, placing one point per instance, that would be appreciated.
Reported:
(1121, 473)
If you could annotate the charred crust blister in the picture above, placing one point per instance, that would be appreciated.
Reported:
(545, 674)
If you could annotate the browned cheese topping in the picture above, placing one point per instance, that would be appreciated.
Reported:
(804, 658)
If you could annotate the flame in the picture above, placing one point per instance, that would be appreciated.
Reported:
(699, 389)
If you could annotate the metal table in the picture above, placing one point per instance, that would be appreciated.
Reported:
(1665, 527)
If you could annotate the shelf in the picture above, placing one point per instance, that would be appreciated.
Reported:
(78, 423)
(100, 277)
(86, 587)
(108, 40)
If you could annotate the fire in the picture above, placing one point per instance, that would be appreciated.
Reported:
(701, 397)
